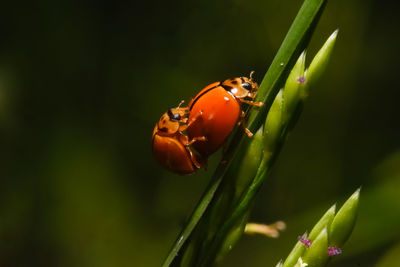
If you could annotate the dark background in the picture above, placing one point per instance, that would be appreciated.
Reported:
(82, 84)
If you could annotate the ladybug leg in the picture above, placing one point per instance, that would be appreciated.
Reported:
(197, 160)
(251, 95)
(247, 131)
(195, 139)
(195, 118)
(186, 142)
(184, 126)
(242, 122)
(257, 104)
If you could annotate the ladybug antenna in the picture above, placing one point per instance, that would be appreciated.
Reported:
(251, 75)
(181, 103)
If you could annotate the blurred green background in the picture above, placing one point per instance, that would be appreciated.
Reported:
(82, 84)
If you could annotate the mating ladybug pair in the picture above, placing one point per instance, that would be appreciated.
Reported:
(208, 120)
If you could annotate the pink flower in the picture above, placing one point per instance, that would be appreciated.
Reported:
(301, 79)
(332, 251)
(305, 241)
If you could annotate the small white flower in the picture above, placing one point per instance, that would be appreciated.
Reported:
(300, 263)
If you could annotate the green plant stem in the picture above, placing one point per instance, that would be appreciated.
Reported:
(238, 213)
(294, 43)
(195, 217)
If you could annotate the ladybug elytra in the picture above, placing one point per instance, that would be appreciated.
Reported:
(171, 147)
(216, 110)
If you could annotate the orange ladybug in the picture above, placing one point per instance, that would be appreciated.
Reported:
(216, 110)
(171, 147)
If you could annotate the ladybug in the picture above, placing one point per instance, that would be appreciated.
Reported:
(217, 109)
(171, 147)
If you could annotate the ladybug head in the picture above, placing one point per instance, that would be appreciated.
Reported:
(240, 87)
(170, 120)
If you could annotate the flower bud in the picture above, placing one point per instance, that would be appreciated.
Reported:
(316, 255)
(320, 61)
(343, 223)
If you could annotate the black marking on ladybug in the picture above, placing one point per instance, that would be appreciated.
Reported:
(172, 116)
(227, 87)
(205, 92)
